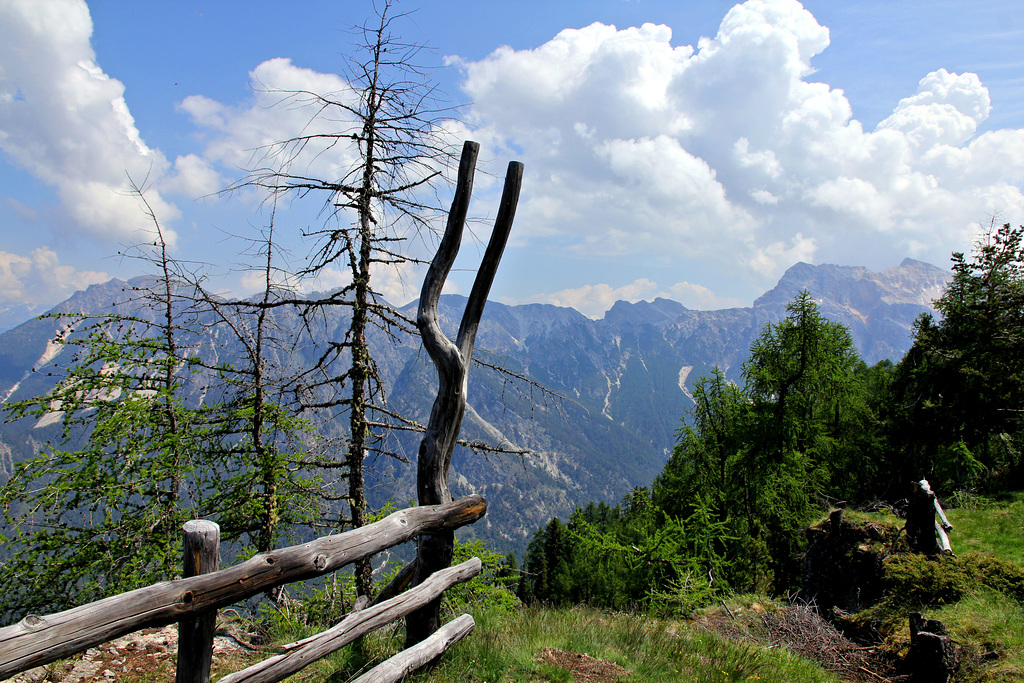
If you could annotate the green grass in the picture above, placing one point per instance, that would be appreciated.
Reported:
(504, 648)
(992, 624)
(992, 526)
(879, 517)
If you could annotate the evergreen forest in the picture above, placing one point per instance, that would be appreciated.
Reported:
(810, 427)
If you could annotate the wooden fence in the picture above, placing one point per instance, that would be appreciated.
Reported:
(193, 601)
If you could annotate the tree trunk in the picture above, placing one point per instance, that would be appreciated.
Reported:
(452, 360)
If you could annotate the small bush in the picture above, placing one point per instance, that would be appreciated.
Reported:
(968, 499)
(313, 607)
(492, 589)
(682, 597)
(918, 579)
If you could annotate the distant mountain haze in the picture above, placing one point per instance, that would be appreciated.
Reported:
(623, 381)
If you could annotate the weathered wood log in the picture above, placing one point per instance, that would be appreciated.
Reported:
(201, 544)
(452, 361)
(944, 544)
(36, 640)
(304, 652)
(421, 654)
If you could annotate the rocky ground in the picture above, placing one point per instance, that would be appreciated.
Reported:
(150, 653)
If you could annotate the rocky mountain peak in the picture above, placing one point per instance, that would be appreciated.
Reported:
(878, 307)
(657, 312)
(911, 282)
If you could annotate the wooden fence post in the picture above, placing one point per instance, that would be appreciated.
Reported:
(195, 634)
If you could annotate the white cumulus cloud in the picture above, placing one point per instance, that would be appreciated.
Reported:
(946, 110)
(594, 301)
(730, 152)
(193, 177)
(245, 135)
(66, 121)
(297, 122)
(26, 280)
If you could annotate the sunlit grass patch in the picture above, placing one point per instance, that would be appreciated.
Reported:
(505, 647)
(994, 626)
(993, 526)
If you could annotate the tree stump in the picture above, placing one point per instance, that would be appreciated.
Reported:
(934, 657)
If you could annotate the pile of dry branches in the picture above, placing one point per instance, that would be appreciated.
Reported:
(801, 630)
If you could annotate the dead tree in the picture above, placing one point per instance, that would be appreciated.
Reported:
(452, 360)
(383, 133)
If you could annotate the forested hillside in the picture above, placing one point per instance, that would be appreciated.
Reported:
(809, 426)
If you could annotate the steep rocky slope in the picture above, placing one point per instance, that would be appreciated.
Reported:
(615, 389)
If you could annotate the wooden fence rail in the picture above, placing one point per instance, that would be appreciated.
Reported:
(421, 654)
(303, 653)
(39, 640)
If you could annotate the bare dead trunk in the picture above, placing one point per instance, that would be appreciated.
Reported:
(452, 360)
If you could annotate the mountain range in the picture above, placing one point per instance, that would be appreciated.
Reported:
(597, 403)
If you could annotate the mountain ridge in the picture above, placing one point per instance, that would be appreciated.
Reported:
(624, 379)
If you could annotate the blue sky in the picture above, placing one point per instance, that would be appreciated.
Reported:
(693, 150)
